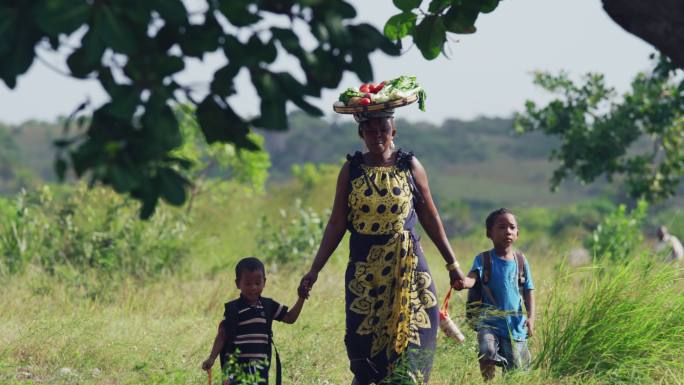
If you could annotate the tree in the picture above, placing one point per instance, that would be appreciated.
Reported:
(640, 137)
(134, 48)
(242, 165)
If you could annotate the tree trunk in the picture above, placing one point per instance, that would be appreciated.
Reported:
(659, 22)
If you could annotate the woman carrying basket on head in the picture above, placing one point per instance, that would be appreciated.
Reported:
(390, 301)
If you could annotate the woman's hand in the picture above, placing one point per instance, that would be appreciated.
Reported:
(307, 283)
(456, 279)
(208, 363)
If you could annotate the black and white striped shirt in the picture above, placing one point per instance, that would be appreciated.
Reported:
(251, 336)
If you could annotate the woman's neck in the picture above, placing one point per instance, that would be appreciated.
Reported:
(383, 159)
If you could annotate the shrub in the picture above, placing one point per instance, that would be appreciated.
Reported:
(293, 239)
(91, 230)
(619, 234)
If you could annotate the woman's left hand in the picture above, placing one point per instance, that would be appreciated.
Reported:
(456, 279)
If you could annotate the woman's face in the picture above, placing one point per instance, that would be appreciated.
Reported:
(377, 134)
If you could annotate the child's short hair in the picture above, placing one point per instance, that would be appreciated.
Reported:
(249, 264)
(491, 218)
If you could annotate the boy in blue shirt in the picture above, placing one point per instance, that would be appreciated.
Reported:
(503, 329)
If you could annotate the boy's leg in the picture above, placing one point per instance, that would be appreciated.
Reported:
(489, 355)
(517, 354)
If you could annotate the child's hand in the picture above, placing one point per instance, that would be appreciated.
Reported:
(303, 292)
(208, 363)
(529, 323)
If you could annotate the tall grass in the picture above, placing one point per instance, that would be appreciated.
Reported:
(625, 325)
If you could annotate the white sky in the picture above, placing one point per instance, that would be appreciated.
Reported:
(488, 73)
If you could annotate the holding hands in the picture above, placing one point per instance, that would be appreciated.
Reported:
(306, 284)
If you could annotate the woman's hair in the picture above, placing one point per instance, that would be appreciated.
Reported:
(249, 264)
(491, 218)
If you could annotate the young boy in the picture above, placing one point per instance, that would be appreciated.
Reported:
(503, 329)
(247, 318)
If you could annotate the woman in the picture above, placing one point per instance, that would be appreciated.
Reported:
(391, 306)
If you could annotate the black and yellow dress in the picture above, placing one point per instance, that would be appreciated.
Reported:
(391, 306)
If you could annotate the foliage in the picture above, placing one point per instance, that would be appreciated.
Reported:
(619, 234)
(248, 166)
(640, 137)
(87, 231)
(429, 27)
(623, 326)
(234, 371)
(135, 49)
(294, 240)
(13, 176)
(310, 175)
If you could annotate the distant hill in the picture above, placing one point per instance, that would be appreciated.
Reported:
(480, 162)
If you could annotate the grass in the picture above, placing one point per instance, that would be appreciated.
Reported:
(159, 330)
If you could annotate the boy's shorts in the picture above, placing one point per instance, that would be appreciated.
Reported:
(502, 351)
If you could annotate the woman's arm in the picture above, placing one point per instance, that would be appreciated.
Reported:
(334, 230)
(429, 218)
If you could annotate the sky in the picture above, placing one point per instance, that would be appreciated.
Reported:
(488, 73)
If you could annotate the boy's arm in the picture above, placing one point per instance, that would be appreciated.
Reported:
(215, 349)
(468, 281)
(291, 316)
(528, 297)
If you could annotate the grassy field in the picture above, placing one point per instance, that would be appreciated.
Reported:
(159, 329)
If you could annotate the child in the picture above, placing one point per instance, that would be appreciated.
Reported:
(502, 337)
(247, 321)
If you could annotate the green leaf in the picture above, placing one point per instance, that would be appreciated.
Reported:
(400, 25)
(124, 101)
(489, 5)
(437, 6)
(87, 57)
(430, 36)
(362, 65)
(115, 31)
(461, 19)
(237, 12)
(172, 11)
(57, 17)
(407, 5)
(172, 186)
(19, 57)
(220, 123)
(273, 115)
(295, 91)
(222, 84)
(60, 168)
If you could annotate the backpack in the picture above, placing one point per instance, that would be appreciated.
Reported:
(231, 315)
(480, 289)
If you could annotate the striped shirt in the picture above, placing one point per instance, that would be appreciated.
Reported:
(251, 336)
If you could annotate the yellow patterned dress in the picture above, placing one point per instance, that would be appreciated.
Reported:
(391, 306)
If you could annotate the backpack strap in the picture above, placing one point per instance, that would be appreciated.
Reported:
(487, 264)
(486, 275)
(520, 259)
(270, 310)
(230, 315)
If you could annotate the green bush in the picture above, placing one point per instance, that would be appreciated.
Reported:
(619, 234)
(625, 326)
(294, 238)
(93, 230)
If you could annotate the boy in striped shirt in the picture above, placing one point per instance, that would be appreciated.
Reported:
(251, 324)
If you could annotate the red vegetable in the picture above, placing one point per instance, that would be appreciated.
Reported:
(364, 88)
(364, 101)
(377, 88)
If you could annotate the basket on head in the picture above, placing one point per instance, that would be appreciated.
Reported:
(390, 105)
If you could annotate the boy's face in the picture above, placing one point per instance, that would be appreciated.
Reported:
(251, 284)
(504, 232)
